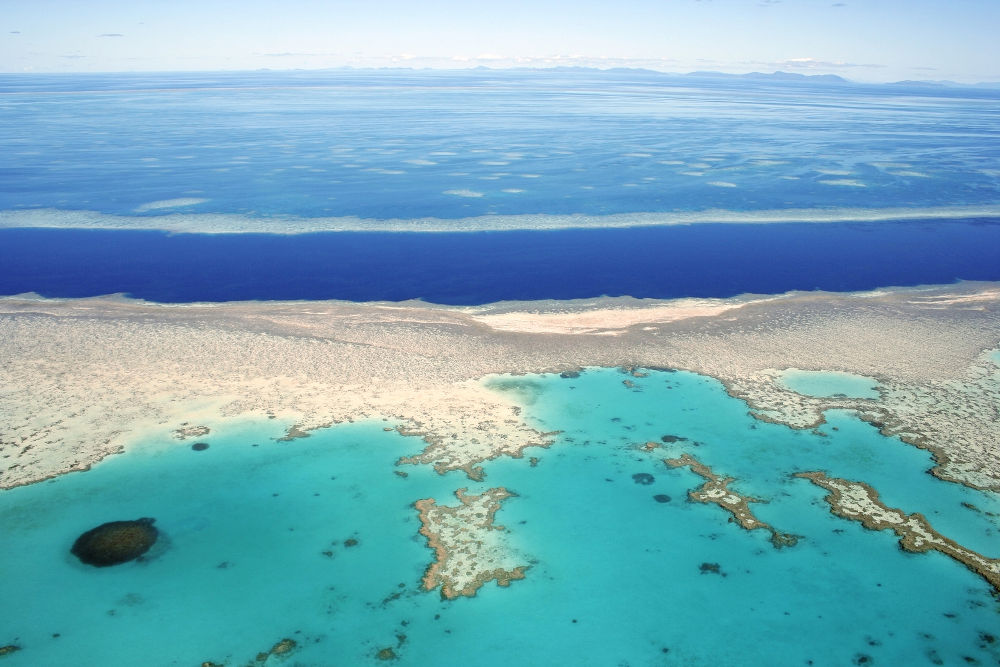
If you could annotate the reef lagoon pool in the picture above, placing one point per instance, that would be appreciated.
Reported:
(827, 384)
(317, 540)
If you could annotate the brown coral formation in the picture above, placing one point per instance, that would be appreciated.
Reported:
(469, 550)
(188, 431)
(716, 491)
(283, 647)
(858, 501)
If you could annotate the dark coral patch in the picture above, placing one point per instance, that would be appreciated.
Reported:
(115, 542)
(643, 478)
(662, 498)
(199, 446)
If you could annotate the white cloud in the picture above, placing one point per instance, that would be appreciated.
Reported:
(816, 64)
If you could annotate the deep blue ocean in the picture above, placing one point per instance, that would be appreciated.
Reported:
(484, 267)
(374, 150)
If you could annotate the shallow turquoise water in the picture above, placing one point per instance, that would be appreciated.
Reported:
(826, 384)
(615, 575)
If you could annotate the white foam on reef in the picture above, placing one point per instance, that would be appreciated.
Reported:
(722, 184)
(169, 203)
(849, 182)
(232, 223)
(389, 172)
(913, 174)
(463, 193)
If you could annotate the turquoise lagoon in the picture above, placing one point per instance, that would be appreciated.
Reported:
(829, 384)
(254, 532)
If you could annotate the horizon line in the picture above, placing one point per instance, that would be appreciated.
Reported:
(778, 75)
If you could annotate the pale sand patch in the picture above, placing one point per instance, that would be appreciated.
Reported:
(82, 379)
(586, 319)
(169, 203)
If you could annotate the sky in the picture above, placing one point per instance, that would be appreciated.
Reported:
(862, 40)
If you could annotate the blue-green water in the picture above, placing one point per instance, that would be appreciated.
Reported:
(825, 384)
(254, 547)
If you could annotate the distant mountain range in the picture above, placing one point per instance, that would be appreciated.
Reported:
(832, 79)
(774, 76)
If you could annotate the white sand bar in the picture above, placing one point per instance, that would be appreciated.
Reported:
(83, 378)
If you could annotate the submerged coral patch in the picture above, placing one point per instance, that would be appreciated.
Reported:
(115, 542)
(643, 478)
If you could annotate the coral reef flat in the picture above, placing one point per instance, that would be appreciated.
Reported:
(85, 378)
(511, 468)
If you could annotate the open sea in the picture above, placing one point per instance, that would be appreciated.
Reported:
(539, 185)
(516, 160)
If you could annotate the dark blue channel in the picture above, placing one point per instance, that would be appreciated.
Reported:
(709, 260)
